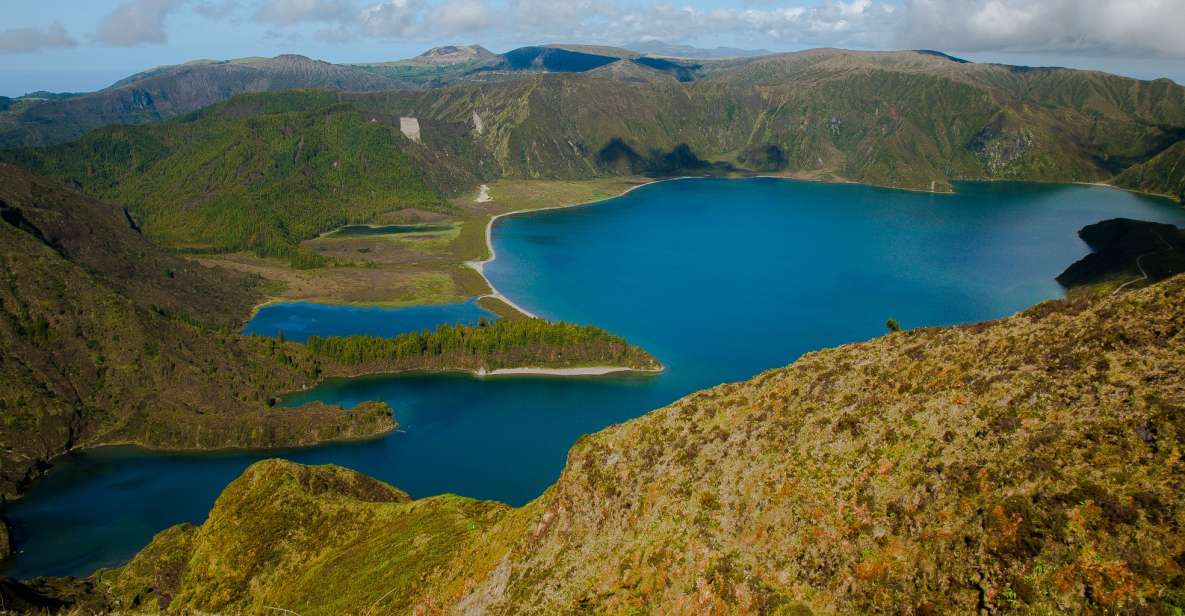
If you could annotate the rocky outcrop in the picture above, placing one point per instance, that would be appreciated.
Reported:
(1131, 250)
(1000, 143)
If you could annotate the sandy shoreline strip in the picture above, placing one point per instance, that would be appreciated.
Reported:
(479, 266)
(588, 371)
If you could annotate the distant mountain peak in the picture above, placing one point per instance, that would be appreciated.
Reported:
(945, 56)
(293, 59)
(454, 54)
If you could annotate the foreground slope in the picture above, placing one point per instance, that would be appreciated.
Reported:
(106, 338)
(1031, 464)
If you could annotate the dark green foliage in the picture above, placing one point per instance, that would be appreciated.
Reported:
(240, 177)
(893, 325)
(621, 157)
(763, 158)
(500, 344)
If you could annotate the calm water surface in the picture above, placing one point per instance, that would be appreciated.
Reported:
(354, 230)
(299, 320)
(720, 279)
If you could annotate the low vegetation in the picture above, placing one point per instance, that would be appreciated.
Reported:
(488, 346)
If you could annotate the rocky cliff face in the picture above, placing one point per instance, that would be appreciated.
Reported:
(1028, 465)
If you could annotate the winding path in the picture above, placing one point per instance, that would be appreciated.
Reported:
(1140, 264)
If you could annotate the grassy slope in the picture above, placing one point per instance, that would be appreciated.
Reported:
(261, 173)
(1163, 175)
(108, 339)
(1030, 465)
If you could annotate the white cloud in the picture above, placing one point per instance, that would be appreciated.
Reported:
(22, 40)
(289, 12)
(136, 22)
(1131, 27)
(1090, 26)
(830, 22)
(392, 18)
(458, 16)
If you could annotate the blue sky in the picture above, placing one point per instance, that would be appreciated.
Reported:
(75, 45)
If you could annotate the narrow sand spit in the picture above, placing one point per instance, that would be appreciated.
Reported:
(479, 266)
(589, 371)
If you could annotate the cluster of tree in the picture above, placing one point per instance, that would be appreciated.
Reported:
(622, 157)
(489, 345)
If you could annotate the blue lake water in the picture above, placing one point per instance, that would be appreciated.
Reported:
(720, 279)
(299, 320)
(355, 230)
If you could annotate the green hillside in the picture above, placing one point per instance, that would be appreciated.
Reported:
(1029, 465)
(260, 173)
(108, 339)
(903, 119)
(1163, 174)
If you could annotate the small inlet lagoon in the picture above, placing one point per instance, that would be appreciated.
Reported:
(719, 279)
(410, 229)
(297, 321)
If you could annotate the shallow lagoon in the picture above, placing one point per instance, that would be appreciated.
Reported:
(299, 320)
(364, 230)
(720, 279)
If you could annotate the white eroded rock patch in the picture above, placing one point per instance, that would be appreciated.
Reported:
(410, 127)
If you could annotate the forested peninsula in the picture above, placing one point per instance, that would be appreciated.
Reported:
(486, 347)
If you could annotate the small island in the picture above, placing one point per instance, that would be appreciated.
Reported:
(502, 347)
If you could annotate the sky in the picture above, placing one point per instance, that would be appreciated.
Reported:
(77, 45)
